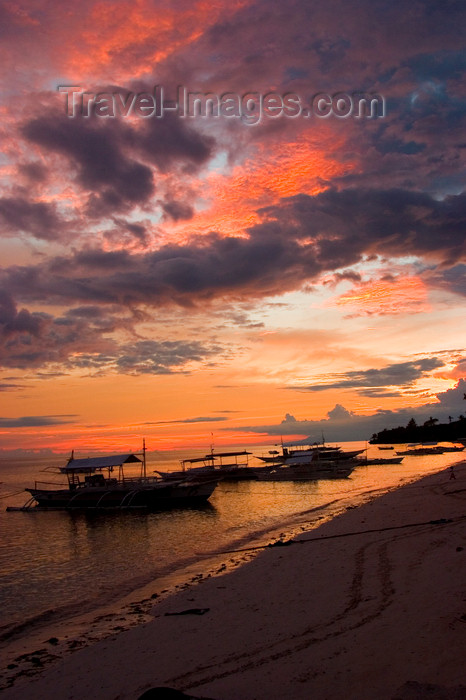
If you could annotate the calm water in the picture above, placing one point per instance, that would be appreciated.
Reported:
(59, 560)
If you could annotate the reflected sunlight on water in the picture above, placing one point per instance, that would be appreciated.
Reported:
(50, 560)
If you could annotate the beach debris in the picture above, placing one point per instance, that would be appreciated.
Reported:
(280, 543)
(190, 611)
(440, 521)
(52, 640)
(163, 693)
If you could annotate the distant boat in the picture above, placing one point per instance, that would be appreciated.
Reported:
(221, 465)
(379, 460)
(312, 470)
(92, 485)
(422, 451)
(305, 451)
(431, 448)
(389, 447)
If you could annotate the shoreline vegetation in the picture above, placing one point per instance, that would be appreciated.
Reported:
(430, 431)
(370, 605)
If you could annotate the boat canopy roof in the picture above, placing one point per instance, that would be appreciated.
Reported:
(96, 463)
(212, 456)
(300, 443)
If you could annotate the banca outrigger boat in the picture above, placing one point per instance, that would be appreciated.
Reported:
(103, 482)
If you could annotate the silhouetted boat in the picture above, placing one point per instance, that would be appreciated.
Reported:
(312, 470)
(92, 484)
(221, 465)
(379, 460)
(305, 451)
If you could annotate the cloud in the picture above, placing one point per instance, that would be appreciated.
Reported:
(178, 211)
(94, 151)
(84, 338)
(402, 374)
(39, 219)
(37, 421)
(148, 357)
(296, 243)
(197, 419)
(8, 386)
(114, 163)
(341, 424)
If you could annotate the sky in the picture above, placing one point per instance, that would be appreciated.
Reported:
(229, 222)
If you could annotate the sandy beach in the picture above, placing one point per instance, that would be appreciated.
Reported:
(369, 606)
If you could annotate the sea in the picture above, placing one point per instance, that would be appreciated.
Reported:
(55, 564)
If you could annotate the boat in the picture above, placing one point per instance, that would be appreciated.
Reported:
(221, 465)
(306, 450)
(386, 447)
(378, 460)
(423, 450)
(103, 482)
(312, 470)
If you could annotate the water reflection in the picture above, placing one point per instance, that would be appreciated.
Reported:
(52, 559)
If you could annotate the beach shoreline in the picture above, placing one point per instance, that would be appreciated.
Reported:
(346, 598)
(82, 624)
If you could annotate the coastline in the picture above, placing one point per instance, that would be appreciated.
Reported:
(356, 614)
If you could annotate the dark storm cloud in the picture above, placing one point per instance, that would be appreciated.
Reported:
(113, 160)
(177, 211)
(39, 219)
(94, 150)
(34, 171)
(14, 321)
(170, 142)
(396, 222)
(298, 241)
(398, 374)
(36, 421)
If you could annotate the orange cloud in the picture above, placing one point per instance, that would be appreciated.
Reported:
(272, 171)
(404, 295)
(129, 39)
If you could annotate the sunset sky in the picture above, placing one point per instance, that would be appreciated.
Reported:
(270, 270)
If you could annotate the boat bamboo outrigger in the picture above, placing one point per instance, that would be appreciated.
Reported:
(94, 484)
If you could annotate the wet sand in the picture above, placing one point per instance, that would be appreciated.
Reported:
(370, 605)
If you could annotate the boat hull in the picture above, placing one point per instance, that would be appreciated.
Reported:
(306, 472)
(157, 496)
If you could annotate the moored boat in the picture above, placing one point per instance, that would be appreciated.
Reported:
(221, 465)
(312, 470)
(379, 460)
(92, 484)
(306, 451)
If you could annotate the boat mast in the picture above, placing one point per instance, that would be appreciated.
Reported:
(144, 456)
